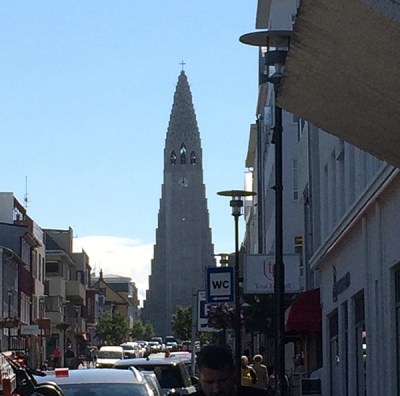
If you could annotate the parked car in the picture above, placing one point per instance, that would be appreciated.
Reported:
(171, 373)
(132, 350)
(99, 382)
(158, 339)
(154, 346)
(153, 382)
(108, 355)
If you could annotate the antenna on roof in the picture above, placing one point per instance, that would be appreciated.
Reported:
(26, 197)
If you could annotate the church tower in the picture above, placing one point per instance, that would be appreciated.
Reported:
(183, 246)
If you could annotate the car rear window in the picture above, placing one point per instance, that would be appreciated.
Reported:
(106, 389)
(109, 355)
(169, 377)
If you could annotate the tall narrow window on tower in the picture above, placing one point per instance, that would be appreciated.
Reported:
(192, 158)
(183, 154)
(173, 158)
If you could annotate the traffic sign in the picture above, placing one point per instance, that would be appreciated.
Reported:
(202, 310)
(220, 285)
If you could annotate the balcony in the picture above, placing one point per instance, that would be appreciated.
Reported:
(53, 309)
(56, 286)
(55, 317)
(76, 292)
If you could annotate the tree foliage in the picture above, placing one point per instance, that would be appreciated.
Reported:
(112, 328)
(182, 326)
(141, 331)
(137, 330)
(148, 331)
(182, 323)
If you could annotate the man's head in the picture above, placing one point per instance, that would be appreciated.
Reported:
(258, 358)
(216, 370)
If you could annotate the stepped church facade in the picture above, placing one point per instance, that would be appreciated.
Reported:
(183, 246)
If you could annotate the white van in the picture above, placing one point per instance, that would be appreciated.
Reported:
(108, 355)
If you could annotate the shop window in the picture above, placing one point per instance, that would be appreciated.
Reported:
(346, 346)
(334, 356)
(361, 344)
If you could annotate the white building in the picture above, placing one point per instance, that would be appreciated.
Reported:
(349, 198)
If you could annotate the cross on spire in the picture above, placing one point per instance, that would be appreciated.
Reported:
(182, 64)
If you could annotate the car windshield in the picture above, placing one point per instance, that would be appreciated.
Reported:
(105, 389)
(109, 355)
(128, 347)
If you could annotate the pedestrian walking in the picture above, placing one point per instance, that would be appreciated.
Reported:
(216, 372)
(249, 375)
(69, 358)
(56, 357)
(261, 371)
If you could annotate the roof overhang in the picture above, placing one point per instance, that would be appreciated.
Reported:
(305, 314)
(343, 75)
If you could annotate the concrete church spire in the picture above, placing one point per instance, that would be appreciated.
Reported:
(183, 238)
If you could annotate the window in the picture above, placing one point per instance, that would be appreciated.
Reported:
(295, 179)
(361, 344)
(192, 158)
(183, 154)
(52, 268)
(80, 277)
(346, 346)
(334, 369)
(298, 244)
(173, 158)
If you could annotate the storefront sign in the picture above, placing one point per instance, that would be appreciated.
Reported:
(30, 330)
(340, 285)
(259, 273)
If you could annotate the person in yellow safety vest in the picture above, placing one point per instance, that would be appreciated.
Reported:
(249, 375)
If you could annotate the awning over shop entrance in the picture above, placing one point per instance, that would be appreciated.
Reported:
(305, 314)
(343, 73)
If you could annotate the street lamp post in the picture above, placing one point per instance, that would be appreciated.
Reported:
(41, 316)
(276, 44)
(10, 294)
(237, 204)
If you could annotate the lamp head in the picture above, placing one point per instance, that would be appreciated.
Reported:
(237, 199)
(275, 46)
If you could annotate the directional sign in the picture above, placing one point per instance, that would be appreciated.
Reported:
(202, 310)
(220, 285)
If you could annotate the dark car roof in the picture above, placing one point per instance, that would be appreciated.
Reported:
(142, 362)
(93, 376)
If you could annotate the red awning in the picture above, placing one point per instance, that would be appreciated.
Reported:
(305, 314)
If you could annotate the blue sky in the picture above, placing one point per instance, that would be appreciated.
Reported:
(86, 92)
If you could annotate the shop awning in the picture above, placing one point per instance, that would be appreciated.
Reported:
(305, 314)
(342, 73)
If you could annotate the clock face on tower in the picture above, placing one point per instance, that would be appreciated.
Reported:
(183, 182)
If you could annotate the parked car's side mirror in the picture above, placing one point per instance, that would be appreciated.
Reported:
(194, 380)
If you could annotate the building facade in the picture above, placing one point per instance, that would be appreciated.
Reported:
(183, 238)
(349, 198)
